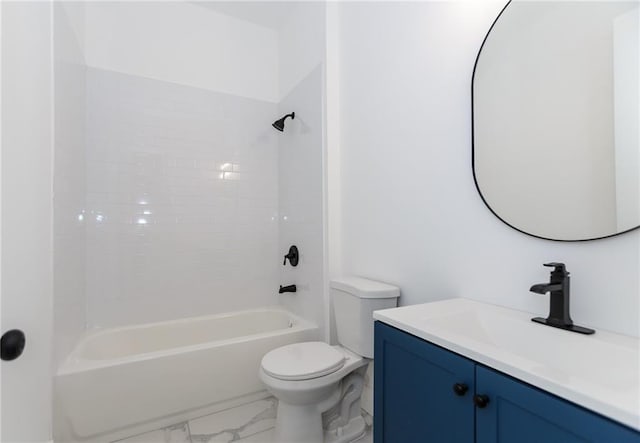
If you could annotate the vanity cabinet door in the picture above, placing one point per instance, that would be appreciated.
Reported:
(517, 412)
(422, 393)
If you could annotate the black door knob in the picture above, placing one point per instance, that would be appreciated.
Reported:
(12, 344)
(460, 389)
(481, 401)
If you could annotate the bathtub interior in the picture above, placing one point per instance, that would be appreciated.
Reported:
(137, 340)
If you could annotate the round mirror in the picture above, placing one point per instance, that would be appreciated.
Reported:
(556, 121)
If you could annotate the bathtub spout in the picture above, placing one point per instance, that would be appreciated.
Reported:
(290, 288)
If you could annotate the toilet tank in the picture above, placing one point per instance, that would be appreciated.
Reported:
(354, 300)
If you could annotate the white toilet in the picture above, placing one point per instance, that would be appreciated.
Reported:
(318, 385)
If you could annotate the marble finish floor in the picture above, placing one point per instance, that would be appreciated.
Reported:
(250, 423)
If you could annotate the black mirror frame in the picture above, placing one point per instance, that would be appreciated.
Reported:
(473, 154)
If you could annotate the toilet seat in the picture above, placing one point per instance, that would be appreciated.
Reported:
(302, 361)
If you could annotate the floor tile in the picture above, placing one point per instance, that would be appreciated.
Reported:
(368, 436)
(260, 437)
(236, 423)
(173, 434)
(250, 423)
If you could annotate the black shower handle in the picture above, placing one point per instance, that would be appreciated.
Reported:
(293, 256)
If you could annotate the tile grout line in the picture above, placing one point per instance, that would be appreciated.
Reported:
(264, 431)
(189, 431)
(268, 398)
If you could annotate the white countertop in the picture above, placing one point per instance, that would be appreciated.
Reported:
(600, 372)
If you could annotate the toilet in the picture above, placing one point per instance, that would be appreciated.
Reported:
(318, 386)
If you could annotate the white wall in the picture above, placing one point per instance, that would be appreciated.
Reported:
(183, 43)
(301, 44)
(69, 178)
(410, 211)
(182, 201)
(626, 67)
(300, 194)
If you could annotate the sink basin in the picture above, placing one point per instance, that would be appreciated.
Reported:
(600, 372)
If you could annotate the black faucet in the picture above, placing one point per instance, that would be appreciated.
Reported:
(559, 287)
(290, 288)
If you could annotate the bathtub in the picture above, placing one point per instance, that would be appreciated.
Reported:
(122, 377)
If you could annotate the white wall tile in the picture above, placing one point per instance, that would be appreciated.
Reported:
(181, 198)
(69, 182)
(300, 197)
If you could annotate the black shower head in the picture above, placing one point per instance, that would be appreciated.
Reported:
(279, 124)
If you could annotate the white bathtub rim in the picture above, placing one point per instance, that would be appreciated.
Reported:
(75, 363)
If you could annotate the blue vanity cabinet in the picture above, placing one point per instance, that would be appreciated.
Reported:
(416, 400)
(414, 396)
(518, 412)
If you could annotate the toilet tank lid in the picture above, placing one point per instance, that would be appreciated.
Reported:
(365, 288)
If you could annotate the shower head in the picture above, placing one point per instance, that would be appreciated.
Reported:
(279, 124)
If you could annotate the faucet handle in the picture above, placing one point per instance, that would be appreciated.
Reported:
(293, 256)
(558, 267)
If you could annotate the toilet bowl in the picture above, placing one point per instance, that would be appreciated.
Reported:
(307, 378)
(319, 386)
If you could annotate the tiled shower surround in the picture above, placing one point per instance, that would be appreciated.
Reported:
(182, 201)
(300, 197)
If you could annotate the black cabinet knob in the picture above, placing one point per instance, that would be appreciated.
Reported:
(481, 401)
(460, 389)
(12, 344)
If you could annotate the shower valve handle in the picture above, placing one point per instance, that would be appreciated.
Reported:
(293, 256)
